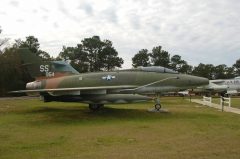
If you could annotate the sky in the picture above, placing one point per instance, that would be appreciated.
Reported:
(200, 31)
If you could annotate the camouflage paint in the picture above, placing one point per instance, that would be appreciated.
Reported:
(59, 81)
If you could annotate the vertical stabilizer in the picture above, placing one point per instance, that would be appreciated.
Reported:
(39, 69)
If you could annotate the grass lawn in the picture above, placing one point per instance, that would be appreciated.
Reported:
(33, 129)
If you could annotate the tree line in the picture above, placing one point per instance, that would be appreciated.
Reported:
(93, 54)
(160, 57)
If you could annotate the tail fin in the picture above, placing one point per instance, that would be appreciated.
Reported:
(39, 69)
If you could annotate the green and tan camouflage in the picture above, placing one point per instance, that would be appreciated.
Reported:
(58, 81)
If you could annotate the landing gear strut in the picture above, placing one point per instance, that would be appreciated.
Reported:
(158, 105)
(95, 107)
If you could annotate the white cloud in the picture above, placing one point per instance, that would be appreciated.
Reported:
(200, 31)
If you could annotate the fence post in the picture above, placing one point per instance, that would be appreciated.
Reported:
(222, 102)
(207, 100)
(229, 104)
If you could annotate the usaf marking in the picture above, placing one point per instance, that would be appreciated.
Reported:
(108, 77)
(45, 68)
(233, 82)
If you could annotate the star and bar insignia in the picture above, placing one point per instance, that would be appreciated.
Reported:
(108, 77)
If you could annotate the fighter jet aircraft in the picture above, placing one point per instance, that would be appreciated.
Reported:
(58, 81)
(222, 86)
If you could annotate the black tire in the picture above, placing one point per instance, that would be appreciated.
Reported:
(158, 106)
(95, 107)
(46, 99)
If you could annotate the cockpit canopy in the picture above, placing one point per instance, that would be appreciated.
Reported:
(158, 69)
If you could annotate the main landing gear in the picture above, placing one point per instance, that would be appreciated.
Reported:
(95, 107)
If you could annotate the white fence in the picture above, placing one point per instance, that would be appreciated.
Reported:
(224, 100)
(207, 100)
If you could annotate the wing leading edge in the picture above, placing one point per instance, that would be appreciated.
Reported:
(75, 89)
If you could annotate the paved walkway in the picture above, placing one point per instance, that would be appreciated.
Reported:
(226, 108)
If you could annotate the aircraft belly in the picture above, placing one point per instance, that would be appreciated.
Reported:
(101, 91)
(33, 94)
(114, 98)
(60, 93)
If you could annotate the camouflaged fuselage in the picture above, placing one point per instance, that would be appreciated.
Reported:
(124, 78)
(58, 81)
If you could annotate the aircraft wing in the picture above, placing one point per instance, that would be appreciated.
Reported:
(75, 89)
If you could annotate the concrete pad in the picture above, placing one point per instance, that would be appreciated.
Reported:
(153, 110)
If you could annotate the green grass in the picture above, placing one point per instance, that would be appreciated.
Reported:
(33, 129)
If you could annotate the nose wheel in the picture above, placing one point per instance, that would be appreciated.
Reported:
(158, 107)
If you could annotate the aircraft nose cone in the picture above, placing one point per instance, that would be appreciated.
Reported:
(200, 81)
(205, 81)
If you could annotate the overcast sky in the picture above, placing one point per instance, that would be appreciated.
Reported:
(206, 31)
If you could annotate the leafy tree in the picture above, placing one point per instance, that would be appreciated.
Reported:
(44, 55)
(80, 59)
(11, 69)
(204, 70)
(214, 72)
(92, 55)
(109, 57)
(230, 72)
(67, 53)
(175, 62)
(185, 68)
(141, 58)
(160, 57)
(77, 57)
(93, 46)
(2, 41)
(32, 43)
(237, 67)
(219, 71)
(180, 65)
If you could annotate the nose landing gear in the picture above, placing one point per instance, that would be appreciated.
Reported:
(157, 105)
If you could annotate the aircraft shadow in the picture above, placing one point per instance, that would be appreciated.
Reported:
(83, 114)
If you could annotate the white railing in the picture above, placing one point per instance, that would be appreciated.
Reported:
(207, 99)
(225, 100)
